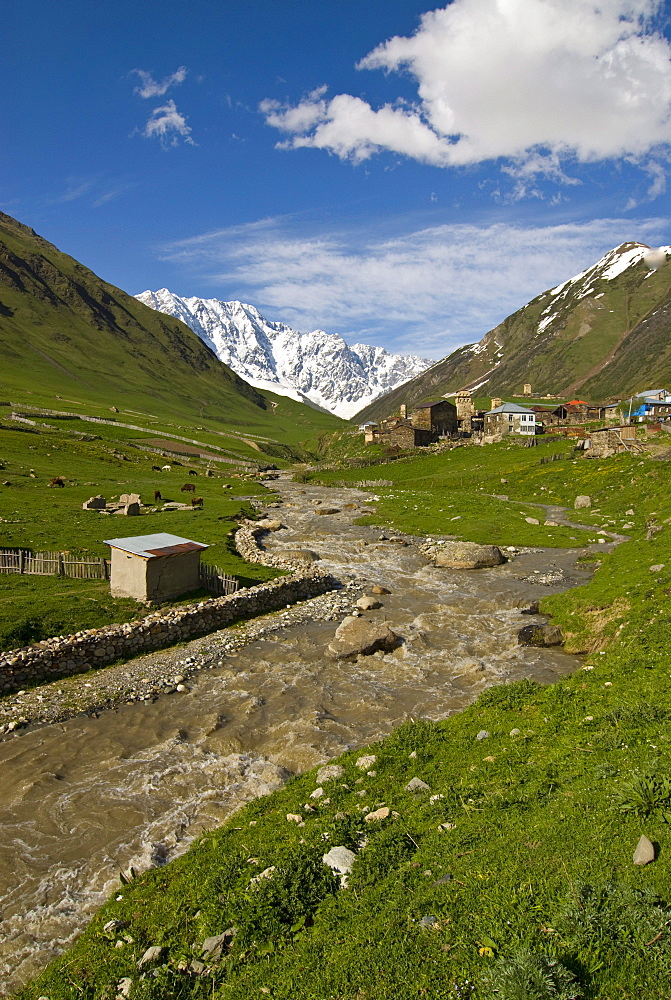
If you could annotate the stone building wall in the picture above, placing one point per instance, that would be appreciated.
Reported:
(73, 654)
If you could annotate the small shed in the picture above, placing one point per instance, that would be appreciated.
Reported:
(154, 567)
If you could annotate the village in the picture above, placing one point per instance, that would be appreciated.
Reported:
(599, 429)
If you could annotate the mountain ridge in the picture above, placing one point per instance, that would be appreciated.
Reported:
(603, 332)
(317, 367)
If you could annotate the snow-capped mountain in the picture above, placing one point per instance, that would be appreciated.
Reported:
(318, 367)
(600, 334)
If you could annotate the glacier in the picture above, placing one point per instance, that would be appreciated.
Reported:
(318, 368)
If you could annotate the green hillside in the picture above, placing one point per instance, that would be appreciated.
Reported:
(596, 335)
(71, 341)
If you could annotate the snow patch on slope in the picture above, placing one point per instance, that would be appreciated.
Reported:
(316, 367)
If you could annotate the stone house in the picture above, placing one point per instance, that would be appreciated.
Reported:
(609, 441)
(509, 418)
(156, 567)
(438, 418)
(405, 435)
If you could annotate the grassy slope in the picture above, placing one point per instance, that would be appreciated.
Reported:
(545, 820)
(70, 341)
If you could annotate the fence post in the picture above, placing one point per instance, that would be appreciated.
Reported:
(103, 563)
(22, 557)
(61, 565)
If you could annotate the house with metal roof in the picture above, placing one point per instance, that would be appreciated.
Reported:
(509, 418)
(154, 568)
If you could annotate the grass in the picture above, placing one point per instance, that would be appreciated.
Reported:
(40, 518)
(512, 875)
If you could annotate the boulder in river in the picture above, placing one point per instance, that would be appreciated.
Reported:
(465, 555)
(368, 603)
(377, 589)
(540, 635)
(270, 524)
(304, 555)
(359, 636)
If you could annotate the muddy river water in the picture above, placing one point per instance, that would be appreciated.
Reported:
(82, 800)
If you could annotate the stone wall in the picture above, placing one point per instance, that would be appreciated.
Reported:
(72, 654)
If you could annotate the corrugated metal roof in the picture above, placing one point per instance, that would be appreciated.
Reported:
(155, 546)
(511, 408)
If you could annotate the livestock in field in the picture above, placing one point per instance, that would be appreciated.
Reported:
(166, 468)
(157, 495)
(197, 502)
(192, 472)
(57, 481)
(156, 468)
(188, 488)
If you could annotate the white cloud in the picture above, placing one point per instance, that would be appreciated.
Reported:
(423, 292)
(153, 88)
(530, 81)
(168, 125)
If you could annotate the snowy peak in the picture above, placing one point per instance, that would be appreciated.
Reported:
(317, 367)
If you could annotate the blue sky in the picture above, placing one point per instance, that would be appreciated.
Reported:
(402, 174)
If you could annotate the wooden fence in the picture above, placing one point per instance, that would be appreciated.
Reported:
(216, 581)
(53, 564)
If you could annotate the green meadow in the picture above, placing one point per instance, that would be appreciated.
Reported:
(511, 875)
(44, 519)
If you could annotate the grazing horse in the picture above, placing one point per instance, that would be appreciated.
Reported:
(157, 495)
(192, 472)
(156, 468)
(197, 502)
(188, 488)
(57, 481)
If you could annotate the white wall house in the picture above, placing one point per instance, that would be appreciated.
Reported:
(509, 418)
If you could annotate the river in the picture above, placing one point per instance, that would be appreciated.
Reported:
(85, 799)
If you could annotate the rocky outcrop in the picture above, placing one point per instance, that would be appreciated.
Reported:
(463, 555)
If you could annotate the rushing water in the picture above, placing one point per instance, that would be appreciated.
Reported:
(88, 798)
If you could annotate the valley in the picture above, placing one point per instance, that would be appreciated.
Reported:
(170, 816)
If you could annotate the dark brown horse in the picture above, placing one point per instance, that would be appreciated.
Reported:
(188, 488)
(197, 502)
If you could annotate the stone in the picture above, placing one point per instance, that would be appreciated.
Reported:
(551, 524)
(645, 851)
(515, 732)
(377, 589)
(114, 925)
(447, 826)
(368, 603)
(417, 785)
(317, 794)
(582, 501)
(95, 503)
(123, 987)
(266, 873)
(270, 524)
(131, 509)
(127, 498)
(377, 815)
(532, 520)
(294, 818)
(657, 568)
(330, 772)
(363, 763)
(359, 636)
(429, 921)
(328, 510)
(340, 859)
(151, 955)
(483, 735)
(465, 555)
(540, 635)
(533, 609)
(213, 946)
(630, 512)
